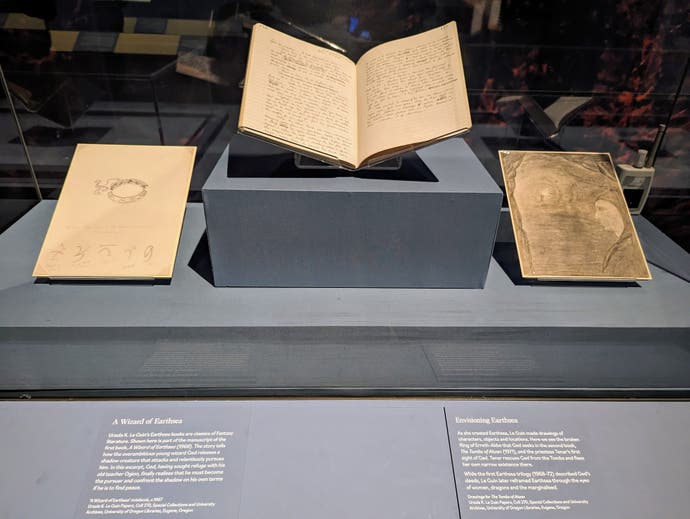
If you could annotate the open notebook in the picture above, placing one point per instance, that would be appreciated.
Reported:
(400, 95)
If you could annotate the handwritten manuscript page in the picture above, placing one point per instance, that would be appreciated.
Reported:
(301, 95)
(411, 91)
(120, 213)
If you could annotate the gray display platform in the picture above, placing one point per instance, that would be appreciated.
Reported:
(192, 338)
(345, 459)
(354, 231)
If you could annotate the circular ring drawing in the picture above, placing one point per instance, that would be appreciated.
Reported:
(122, 190)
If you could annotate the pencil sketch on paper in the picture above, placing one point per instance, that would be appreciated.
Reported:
(570, 218)
(119, 215)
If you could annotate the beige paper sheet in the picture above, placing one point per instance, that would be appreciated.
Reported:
(570, 218)
(119, 215)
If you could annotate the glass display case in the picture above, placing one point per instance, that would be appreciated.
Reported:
(490, 323)
(606, 77)
(19, 186)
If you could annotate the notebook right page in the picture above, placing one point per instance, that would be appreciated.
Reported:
(411, 91)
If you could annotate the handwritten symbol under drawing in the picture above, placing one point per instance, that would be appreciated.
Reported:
(57, 251)
(80, 254)
(148, 253)
(122, 190)
(105, 249)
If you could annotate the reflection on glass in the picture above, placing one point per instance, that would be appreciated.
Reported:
(160, 72)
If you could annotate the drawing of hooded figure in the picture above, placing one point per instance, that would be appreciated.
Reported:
(568, 217)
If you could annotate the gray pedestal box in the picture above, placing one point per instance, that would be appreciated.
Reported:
(431, 225)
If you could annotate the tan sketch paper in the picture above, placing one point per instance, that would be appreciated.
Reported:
(119, 214)
(400, 95)
(570, 219)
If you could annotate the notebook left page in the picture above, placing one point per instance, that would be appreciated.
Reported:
(300, 96)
